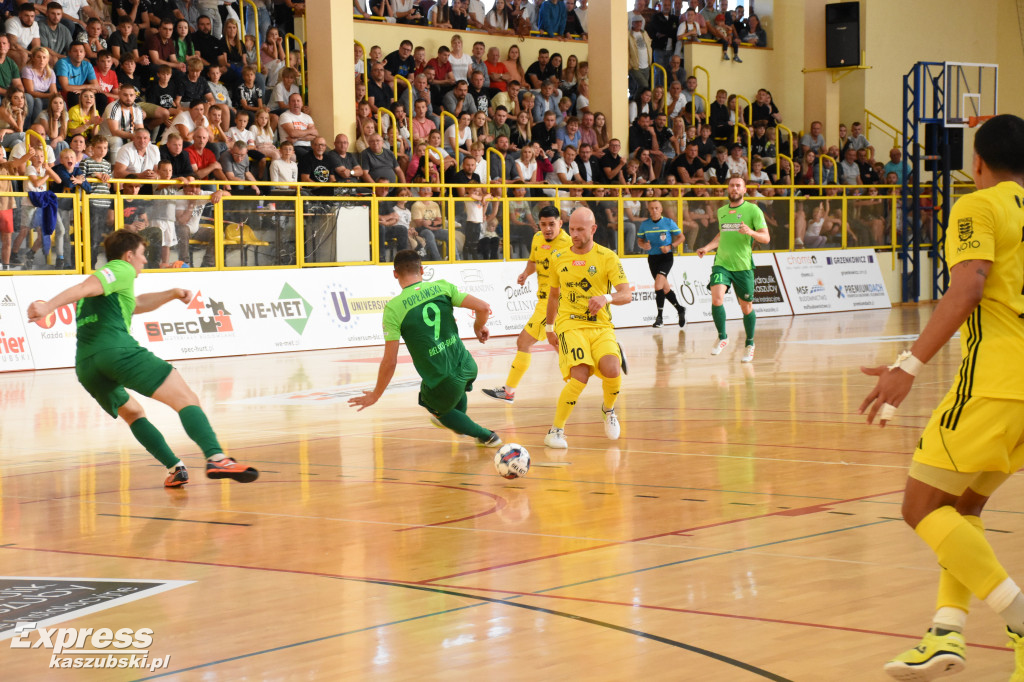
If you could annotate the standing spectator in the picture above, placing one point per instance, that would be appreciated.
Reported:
(297, 127)
(640, 54)
(858, 141)
(552, 18)
(662, 31)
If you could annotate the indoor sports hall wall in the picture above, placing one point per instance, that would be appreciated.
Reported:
(273, 311)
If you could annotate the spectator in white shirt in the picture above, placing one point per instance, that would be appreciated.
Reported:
(138, 159)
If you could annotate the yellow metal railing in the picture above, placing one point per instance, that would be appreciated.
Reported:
(655, 67)
(381, 111)
(707, 82)
(302, 60)
(778, 139)
(296, 209)
(366, 70)
(740, 110)
(408, 90)
(255, 20)
(455, 124)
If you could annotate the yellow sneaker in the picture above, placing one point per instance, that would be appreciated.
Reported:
(1017, 642)
(936, 656)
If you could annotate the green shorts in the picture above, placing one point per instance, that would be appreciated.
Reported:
(740, 280)
(445, 396)
(106, 374)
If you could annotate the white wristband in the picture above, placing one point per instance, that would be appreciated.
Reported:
(908, 363)
(550, 328)
(608, 298)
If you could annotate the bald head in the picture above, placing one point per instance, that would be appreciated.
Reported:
(582, 227)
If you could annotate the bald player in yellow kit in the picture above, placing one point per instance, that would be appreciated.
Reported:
(551, 239)
(974, 440)
(579, 322)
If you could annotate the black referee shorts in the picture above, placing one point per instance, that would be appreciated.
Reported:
(659, 263)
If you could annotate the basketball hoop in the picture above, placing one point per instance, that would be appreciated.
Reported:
(975, 121)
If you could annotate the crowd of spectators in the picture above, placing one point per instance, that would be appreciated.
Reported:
(118, 89)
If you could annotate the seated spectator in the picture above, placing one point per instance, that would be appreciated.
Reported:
(138, 159)
(868, 174)
(194, 86)
(457, 101)
(849, 171)
(755, 33)
(218, 139)
(344, 163)
(22, 33)
(285, 168)
(541, 71)
(92, 38)
(478, 92)
(186, 122)
(378, 92)
(162, 49)
(687, 167)
(296, 126)
(221, 98)
(204, 162)
(207, 42)
(443, 75)
(813, 141)
(521, 134)
(121, 118)
(53, 35)
(75, 75)
(422, 124)
(124, 41)
(173, 152)
(858, 141)
(392, 222)
(426, 219)
(612, 164)
(545, 134)
(235, 164)
(400, 62)
(546, 101)
(736, 164)
(379, 164)
(459, 137)
(508, 99)
(498, 125)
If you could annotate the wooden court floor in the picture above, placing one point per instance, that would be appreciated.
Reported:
(746, 526)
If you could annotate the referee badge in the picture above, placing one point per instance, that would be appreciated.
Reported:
(966, 228)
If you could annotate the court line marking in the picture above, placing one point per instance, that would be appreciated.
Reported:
(489, 600)
(168, 518)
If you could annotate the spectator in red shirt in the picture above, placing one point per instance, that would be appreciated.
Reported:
(442, 67)
(204, 163)
(106, 77)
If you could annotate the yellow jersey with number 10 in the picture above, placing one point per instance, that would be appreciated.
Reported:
(542, 253)
(580, 277)
(989, 225)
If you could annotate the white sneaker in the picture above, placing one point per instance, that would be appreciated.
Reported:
(556, 439)
(748, 354)
(720, 345)
(611, 424)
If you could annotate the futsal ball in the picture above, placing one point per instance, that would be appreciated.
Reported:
(512, 461)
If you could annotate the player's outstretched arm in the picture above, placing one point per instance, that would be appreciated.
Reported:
(384, 374)
(966, 286)
(531, 268)
(483, 312)
(145, 303)
(90, 286)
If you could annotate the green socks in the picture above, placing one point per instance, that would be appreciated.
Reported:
(151, 439)
(459, 422)
(718, 315)
(198, 428)
(748, 326)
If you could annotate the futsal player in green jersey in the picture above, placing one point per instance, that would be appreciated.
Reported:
(974, 440)
(740, 224)
(422, 316)
(108, 359)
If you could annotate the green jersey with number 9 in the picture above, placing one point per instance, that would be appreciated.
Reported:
(422, 316)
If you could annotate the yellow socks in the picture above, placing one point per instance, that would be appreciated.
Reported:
(962, 551)
(520, 364)
(611, 391)
(952, 603)
(567, 401)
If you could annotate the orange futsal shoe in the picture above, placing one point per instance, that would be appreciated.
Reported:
(178, 478)
(229, 468)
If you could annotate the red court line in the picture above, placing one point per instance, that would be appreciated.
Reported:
(781, 512)
(320, 574)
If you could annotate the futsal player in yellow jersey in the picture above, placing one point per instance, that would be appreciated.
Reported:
(974, 440)
(551, 239)
(579, 322)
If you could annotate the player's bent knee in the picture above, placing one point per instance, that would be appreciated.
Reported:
(131, 411)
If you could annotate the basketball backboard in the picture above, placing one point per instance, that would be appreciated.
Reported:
(971, 93)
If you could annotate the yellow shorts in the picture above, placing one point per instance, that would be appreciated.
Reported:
(980, 436)
(535, 327)
(586, 347)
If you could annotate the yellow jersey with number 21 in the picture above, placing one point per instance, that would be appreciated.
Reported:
(580, 277)
(989, 225)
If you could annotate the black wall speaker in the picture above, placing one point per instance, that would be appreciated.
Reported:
(842, 34)
(956, 148)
